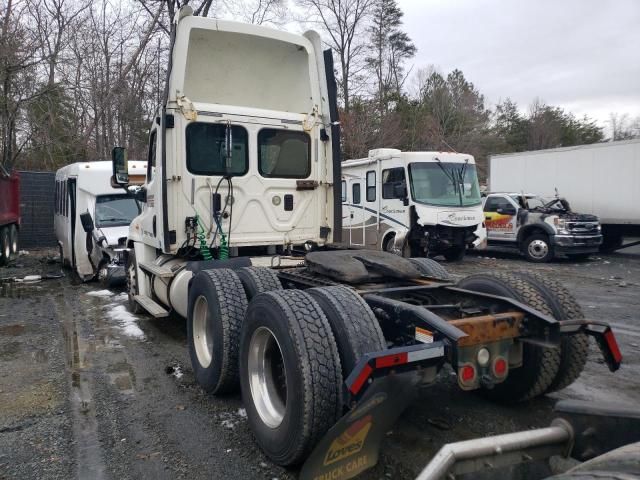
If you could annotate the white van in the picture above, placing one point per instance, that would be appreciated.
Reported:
(413, 203)
(91, 219)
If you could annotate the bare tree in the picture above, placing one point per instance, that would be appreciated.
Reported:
(343, 22)
(623, 127)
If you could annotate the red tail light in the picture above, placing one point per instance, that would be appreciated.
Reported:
(500, 367)
(467, 373)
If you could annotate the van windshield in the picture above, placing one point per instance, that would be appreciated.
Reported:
(445, 184)
(115, 210)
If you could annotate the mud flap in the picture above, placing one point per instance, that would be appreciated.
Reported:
(352, 445)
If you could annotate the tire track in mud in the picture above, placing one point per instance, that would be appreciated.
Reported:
(89, 453)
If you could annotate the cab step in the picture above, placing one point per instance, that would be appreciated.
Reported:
(157, 270)
(154, 308)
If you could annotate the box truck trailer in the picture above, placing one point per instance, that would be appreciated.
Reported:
(602, 179)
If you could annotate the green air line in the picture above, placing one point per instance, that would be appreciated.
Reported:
(204, 248)
(224, 248)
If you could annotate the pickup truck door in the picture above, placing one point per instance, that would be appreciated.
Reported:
(500, 214)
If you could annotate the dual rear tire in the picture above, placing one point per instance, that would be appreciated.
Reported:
(288, 350)
(544, 369)
(8, 243)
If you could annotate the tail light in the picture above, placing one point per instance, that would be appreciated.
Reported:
(467, 375)
(500, 367)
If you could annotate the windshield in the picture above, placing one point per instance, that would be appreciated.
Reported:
(115, 210)
(446, 184)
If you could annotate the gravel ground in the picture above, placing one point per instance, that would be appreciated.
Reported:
(89, 391)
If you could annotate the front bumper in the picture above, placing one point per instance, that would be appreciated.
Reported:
(577, 243)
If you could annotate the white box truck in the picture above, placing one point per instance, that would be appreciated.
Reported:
(602, 179)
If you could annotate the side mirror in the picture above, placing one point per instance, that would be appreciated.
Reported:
(120, 166)
(87, 222)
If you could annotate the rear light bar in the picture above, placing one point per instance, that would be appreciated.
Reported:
(405, 358)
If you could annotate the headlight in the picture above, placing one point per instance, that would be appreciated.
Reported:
(599, 228)
(561, 225)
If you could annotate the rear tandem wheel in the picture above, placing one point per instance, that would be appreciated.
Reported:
(539, 364)
(574, 349)
(289, 374)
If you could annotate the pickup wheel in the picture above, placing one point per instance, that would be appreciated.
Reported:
(430, 268)
(257, 280)
(539, 364)
(353, 323)
(5, 246)
(574, 349)
(454, 254)
(289, 373)
(217, 305)
(131, 272)
(537, 248)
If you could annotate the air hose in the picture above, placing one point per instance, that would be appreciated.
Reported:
(223, 251)
(204, 248)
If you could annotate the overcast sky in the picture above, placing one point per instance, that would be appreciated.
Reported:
(583, 55)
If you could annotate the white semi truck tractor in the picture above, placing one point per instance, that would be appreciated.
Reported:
(244, 160)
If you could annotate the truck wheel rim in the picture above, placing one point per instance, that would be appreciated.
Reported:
(14, 243)
(202, 335)
(267, 377)
(538, 249)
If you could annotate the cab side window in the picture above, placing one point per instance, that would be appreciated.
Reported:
(393, 181)
(494, 203)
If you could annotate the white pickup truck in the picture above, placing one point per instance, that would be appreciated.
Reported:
(540, 228)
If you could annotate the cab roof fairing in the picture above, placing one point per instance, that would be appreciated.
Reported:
(223, 63)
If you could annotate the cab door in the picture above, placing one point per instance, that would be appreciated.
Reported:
(500, 213)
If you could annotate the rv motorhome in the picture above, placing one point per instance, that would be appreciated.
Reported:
(92, 219)
(412, 203)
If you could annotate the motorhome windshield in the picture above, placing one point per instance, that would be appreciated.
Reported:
(445, 184)
(115, 210)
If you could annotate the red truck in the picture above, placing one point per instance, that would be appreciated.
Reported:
(9, 215)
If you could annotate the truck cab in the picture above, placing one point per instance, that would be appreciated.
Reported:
(538, 227)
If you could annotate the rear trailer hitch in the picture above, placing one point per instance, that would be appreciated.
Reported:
(582, 430)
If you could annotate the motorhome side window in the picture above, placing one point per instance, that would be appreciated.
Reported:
(392, 179)
(494, 203)
(344, 191)
(371, 186)
(283, 153)
(206, 149)
(57, 197)
(355, 193)
(151, 160)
